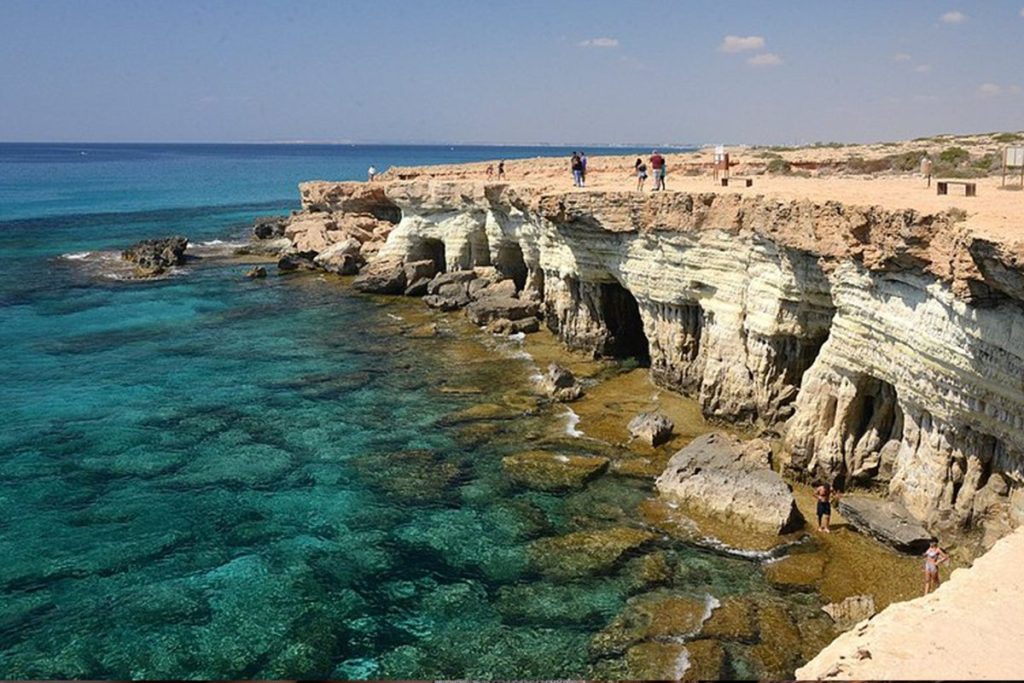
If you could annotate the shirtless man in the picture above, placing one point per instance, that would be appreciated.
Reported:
(933, 557)
(825, 495)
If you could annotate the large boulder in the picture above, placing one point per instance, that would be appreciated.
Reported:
(651, 428)
(720, 475)
(269, 227)
(419, 270)
(296, 261)
(560, 384)
(342, 257)
(153, 257)
(486, 309)
(886, 521)
(382, 277)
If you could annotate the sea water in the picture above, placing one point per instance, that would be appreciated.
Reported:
(206, 476)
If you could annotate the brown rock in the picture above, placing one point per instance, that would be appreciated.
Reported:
(552, 471)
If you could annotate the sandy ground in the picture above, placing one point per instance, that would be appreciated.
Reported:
(995, 213)
(971, 628)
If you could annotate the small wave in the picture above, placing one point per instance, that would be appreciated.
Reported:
(211, 243)
(76, 255)
(571, 420)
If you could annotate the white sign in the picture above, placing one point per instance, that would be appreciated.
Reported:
(1014, 156)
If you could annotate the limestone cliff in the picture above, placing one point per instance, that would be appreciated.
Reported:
(887, 345)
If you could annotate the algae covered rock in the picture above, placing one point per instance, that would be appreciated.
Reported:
(586, 552)
(733, 620)
(651, 616)
(414, 475)
(552, 471)
(798, 571)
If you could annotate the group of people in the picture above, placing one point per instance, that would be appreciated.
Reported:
(501, 170)
(578, 165)
(825, 495)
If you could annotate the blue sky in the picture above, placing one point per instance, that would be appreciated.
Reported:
(514, 71)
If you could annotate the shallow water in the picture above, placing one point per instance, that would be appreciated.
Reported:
(206, 476)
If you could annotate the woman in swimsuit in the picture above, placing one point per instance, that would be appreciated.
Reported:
(825, 496)
(933, 557)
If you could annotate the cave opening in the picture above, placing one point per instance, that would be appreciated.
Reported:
(874, 421)
(429, 249)
(511, 264)
(621, 315)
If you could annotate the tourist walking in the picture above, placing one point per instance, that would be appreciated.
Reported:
(933, 557)
(641, 173)
(658, 167)
(490, 171)
(825, 496)
(371, 173)
(583, 168)
(577, 169)
(501, 170)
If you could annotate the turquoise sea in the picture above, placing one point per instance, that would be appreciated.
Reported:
(210, 477)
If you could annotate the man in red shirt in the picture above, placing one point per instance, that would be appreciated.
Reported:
(658, 167)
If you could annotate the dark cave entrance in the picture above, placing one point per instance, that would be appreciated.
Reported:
(432, 250)
(621, 315)
(510, 263)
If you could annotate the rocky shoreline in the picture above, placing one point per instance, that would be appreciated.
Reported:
(829, 325)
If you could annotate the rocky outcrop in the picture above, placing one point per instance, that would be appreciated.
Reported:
(886, 345)
(850, 611)
(720, 475)
(269, 227)
(560, 384)
(886, 521)
(653, 429)
(154, 257)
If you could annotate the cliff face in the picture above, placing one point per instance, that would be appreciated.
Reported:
(888, 345)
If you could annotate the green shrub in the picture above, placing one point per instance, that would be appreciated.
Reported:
(954, 155)
(1007, 137)
(868, 166)
(779, 165)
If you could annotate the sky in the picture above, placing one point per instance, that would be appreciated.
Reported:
(514, 71)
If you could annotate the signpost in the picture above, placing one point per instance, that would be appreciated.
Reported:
(1013, 158)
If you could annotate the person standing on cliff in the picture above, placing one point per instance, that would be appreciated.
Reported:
(825, 495)
(641, 174)
(583, 169)
(501, 170)
(658, 166)
(577, 170)
(933, 557)
(371, 173)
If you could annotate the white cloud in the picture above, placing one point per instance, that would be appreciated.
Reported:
(765, 59)
(741, 43)
(922, 68)
(901, 57)
(953, 18)
(990, 89)
(599, 42)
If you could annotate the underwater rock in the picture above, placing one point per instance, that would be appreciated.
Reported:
(552, 471)
(887, 521)
(797, 571)
(558, 604)
(732, 620)
(778, 652)
(584, 553)
(296, 260)
(153, 257)
(256, 272)
(652, 428)
(649, 571)
(413, 475)
(723, 476)
(850, 611)
(651, 616)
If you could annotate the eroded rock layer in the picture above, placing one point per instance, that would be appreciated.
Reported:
(889, 345)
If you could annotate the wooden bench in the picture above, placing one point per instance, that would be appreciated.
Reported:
(747, 182)
(970, 189)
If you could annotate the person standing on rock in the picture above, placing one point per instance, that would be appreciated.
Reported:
(371, 172)
(658, 167)
(577, 170)
(933, 557)
(641, 174)
(825, 495)
(501, 170)
(490, 171)
(583, 169)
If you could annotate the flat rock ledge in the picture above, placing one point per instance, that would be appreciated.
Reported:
(885, 521)
(720, 475)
